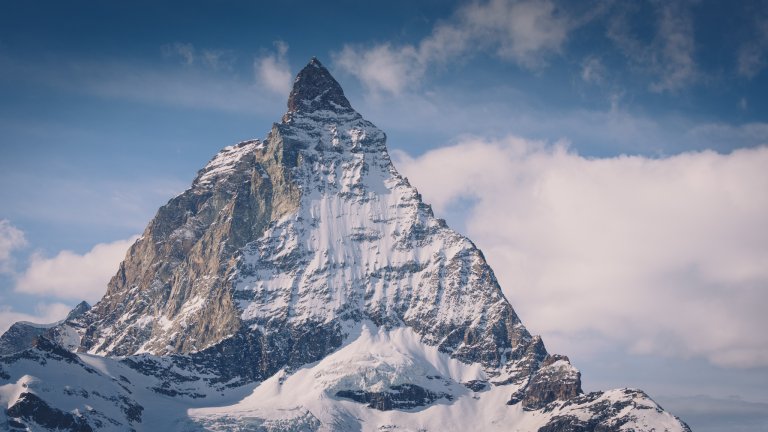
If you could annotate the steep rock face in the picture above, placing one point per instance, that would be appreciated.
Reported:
(555, 380)
(172, 294)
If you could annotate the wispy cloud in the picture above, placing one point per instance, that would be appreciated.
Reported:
(186, 51)
(215, 59)
(525, 32)
(499, 111)
(182, 88)
(382, 68)
(753, 54)
(203, 80)
(530, 33)
(69, 275)
(708, 414)
(123, 205)
(273, 71)
(592, 70)
(669, 58)
(674, 61)
(11, 238)
(664, 256)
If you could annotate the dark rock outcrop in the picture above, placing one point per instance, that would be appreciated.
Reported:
(604, 412)
(555, 380)
(78, 310)
(20, 336)
(29, 408)
(399, 397)
(315, 89)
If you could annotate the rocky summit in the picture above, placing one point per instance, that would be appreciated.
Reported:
(301, 284)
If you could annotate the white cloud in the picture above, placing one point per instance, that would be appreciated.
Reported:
(44, 313)
(526, 32)
(709, 414)
(523, 31)
(186, 88)
(273, 72)
(11, 238)
(186, 51)
(664, 256)
(675, 59)
(70, 275)
(382, 68)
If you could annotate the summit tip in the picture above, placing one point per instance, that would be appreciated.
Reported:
(315, 89)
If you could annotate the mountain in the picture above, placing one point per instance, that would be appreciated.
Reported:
(301, 283)
(22, 334)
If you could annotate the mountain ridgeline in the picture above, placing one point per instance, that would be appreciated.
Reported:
(301, 283)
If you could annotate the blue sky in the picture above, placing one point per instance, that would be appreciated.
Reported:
(563, 117)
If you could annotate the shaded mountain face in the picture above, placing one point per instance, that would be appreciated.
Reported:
(304, 270)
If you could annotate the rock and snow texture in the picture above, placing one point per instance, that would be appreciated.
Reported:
(22, 334)
(296, 235)
(302, 284)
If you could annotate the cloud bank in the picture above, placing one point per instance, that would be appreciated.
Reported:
(69, 275)
(66, 278)
(663, 256)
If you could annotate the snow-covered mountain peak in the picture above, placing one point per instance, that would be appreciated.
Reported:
(301, 233)
(78, 310)
(305, 270)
